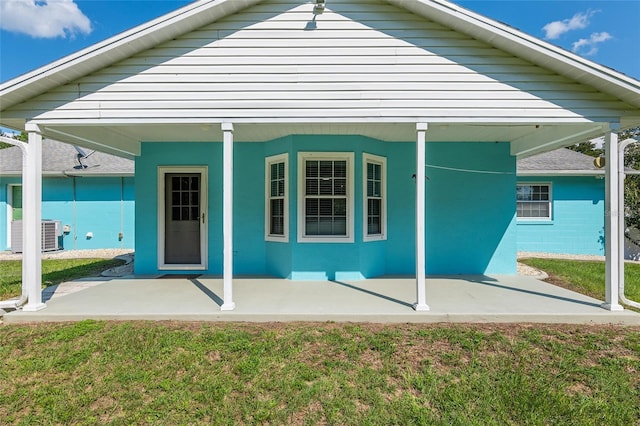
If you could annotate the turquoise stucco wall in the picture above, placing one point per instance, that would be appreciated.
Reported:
(103, 206)
(146, 194)
(471, 209)
(577, 223)
(470, 216)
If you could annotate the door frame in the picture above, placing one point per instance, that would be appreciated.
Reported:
(204, 184)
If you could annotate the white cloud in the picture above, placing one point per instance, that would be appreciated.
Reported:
(555, 29)
(589, 46)
(44, 18)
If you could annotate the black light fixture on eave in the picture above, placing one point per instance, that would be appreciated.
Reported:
(319, 7)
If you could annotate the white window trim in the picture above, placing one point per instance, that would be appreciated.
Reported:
(537, 219)
(280, 158)
(204, 232)
(382, 161)
(349, 157)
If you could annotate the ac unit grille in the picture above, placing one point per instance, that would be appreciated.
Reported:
(49, 237)
(50, 230)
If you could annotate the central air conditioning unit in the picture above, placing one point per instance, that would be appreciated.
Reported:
(50, 231)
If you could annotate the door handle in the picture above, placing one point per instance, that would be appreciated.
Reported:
(203, 217)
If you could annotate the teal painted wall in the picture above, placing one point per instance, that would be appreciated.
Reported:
(103, 206)
(248, 207)
(146, 192)
(470, 216)
(577, 224)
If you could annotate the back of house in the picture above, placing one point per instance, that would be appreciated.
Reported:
(311, 140)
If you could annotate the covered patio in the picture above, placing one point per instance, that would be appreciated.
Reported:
(347, 91)
(387, 300)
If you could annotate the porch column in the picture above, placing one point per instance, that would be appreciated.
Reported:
(612, 224)
(32, 220)
(227, 216)
(421, 303)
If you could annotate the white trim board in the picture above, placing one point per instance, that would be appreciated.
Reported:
(382, 161)
(204, 185)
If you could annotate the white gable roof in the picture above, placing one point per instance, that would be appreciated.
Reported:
(202, 12)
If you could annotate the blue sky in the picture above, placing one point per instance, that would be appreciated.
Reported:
(37, 32)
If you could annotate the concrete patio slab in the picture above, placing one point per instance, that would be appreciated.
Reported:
(451, 299)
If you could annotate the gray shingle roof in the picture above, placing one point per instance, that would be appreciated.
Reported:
(561, 161)
(61, 159)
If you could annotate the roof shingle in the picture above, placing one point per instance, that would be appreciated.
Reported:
(562, 161)
(62, 159)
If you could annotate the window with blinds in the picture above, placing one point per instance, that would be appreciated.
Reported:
(326, 196)
(374, 174)
(276, 208)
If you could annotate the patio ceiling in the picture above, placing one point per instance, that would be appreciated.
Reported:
(124, 139)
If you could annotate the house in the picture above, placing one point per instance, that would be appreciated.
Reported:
(91, 198)
(322, 140)
(560, 204)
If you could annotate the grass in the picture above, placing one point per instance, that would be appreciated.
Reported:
(54, 271)
(91, 373)
(586, 277)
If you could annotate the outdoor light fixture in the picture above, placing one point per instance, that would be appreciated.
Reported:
(599, 162)
(319, 7)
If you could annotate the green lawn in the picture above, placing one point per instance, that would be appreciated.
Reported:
(91, 373)
(54, 271)
(168, 373)
(586, 277)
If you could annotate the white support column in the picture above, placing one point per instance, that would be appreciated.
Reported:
(32, 220)
(622, 146)
(227, 216)
(421, 267)
(612, 224)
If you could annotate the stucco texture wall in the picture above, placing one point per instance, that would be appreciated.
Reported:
(577, 222)
(470, 209)
(102, 206)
